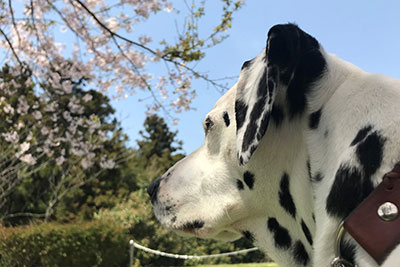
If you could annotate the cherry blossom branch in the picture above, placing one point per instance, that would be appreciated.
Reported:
(141, 77)
(11, 47)
(164, 57)
(13, 21)
(109, 30)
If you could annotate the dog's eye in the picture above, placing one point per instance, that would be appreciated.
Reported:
(208, 123)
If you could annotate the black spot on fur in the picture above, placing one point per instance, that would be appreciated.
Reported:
(272, 82)
(281, 235)
(248, 235)
(306, 232)
(361, 135)
(326, 133)
(256, 112)
(249, 179)
(314, 119)
(300, 254)
(240, 111)
(270, 86)
(309, 68)
(226, 119)
(317, 177)
(370, 153)
(309, 170)
(348, 190)
(259, 116)
(166, 177)
(249, 135)
(348, 251)
(239, 184)
(252, 149)
(197, 224)
(313, 217)
(263, 126)
(300, 63)
(208, 124)
(246, 64)
(262, 88)
(169, 208)
(241, 160)
(285, 198)
(277, 115)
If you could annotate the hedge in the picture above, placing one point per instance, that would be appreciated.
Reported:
(49, 244)
(105, 242)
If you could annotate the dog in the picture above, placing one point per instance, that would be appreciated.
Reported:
(289, 152)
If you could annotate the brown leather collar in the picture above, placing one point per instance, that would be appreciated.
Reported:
(375, 223)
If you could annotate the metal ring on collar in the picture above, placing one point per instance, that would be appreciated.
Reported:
(338, 261)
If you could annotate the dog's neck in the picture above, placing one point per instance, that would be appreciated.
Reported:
(285, 226)
(288, 206)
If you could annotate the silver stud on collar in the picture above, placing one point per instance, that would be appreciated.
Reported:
(388, 211)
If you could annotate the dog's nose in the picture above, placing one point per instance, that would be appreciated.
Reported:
(153, 188)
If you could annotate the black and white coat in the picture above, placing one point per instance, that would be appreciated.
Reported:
(290, 150)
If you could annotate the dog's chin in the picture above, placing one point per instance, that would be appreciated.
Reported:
(199, 227)
(227, 236)
(209, 233)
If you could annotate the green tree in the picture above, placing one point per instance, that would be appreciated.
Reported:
(157, 138)
(157, 151)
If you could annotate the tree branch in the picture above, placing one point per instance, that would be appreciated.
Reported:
(13, 21)
(11, 47)
(110, 31)
(164, 57)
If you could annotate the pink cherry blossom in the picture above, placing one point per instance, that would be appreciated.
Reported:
(28, 158)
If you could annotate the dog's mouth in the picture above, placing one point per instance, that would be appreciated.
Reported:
(192, 227)
(173, 218)
(198, 229)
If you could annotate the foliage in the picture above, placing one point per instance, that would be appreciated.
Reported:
(136, 215)
(53, 142)
(103, 44)
(159, 139)
(50, 244)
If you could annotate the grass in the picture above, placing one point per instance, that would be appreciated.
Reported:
(265, 264)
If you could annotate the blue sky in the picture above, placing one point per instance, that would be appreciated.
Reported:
(366, 33)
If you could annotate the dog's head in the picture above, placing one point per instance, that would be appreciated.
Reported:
(225, 182)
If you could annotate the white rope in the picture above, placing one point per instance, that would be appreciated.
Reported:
(186, 257)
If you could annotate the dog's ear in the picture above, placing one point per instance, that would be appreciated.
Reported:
(290, 61)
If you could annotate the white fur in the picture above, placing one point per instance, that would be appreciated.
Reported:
(203, 186)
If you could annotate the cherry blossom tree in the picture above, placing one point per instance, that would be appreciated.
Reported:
(46, 119)
(64, 132)
(103, 46)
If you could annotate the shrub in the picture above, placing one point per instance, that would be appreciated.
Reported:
(136, 215)
(105, 241)
(88, 244)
